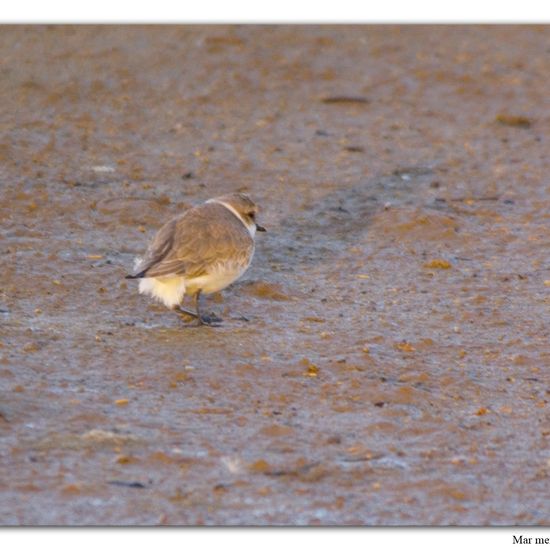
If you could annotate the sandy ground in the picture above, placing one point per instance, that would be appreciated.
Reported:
(394, 368)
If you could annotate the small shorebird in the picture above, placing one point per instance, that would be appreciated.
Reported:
(199, 252)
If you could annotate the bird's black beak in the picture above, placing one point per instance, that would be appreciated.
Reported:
(260, 228)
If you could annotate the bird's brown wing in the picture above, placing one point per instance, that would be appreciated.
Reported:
(157, 250)
(191, 243)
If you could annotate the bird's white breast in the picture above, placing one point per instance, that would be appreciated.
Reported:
(220, 276)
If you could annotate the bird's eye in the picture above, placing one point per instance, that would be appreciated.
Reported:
(252, 215)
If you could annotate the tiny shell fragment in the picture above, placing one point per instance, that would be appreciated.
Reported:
(438, 264)
(405, 346)
(514, 120)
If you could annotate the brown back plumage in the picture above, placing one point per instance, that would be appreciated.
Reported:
(197, 240)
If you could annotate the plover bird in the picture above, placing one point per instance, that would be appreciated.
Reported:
(201, 251)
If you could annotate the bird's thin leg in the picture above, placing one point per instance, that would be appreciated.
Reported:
(211, 319)
(179, 309)
(197, 308)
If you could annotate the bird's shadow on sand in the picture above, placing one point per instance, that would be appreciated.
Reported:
(318, 232)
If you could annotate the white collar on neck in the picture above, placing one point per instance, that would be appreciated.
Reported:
(251, 227)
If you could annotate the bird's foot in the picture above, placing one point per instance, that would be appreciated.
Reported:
(211, 320)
